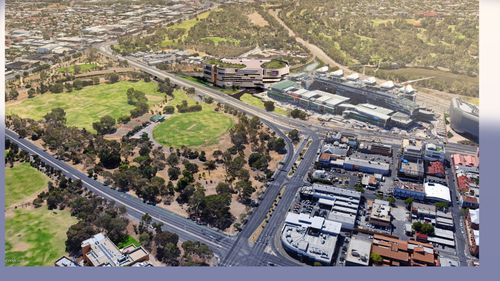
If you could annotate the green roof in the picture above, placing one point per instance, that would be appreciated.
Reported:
(220, 63)
(274, 64)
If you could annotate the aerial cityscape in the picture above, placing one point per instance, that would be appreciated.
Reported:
(236, 133)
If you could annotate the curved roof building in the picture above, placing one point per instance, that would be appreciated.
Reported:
(464, 118)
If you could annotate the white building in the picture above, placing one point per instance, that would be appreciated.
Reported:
(434, 152)
(437, 192)
(313, 238)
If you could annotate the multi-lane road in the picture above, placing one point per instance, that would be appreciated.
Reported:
(230, 250)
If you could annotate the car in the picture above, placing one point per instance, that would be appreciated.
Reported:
(271, 264)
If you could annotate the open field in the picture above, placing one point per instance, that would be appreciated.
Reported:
(36, 237)
(443, 80)
(21, 182)
(216, 40)
(88, 105)
(192, 129)
(185, 26)
(254, 101)
(84, 67)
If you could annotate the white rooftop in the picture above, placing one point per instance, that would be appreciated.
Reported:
(436, 191)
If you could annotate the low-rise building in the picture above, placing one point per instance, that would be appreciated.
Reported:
(412, 150)
(342, 204)
(436, 169)
(409, 190)
(245, 73)
(366, 166)
(414, 170)
(380, 213)
(99, 250)
(434, 152)
(312, 238)
(376, 148)
(395, 252)
(358, 252)
(436, 192)
(65, 262)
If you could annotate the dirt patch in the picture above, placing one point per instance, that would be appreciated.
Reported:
(257, 19)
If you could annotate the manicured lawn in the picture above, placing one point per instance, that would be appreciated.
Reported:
(84, 67)
(216, 40)
(23, 181)
(254, 101)
(129, 241)
(192, 129)
(36, 237)
(88, 105)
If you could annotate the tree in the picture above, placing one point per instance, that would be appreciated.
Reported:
(110, 155)
(56, 88)
(269, 105)
(173, 173)
(376, 258)
(245, 190)
(77, 68)
(56, 116)
(294, 135)
(76, 234)
(166, 247)
(391, 200)
(169, 109)
(173, 159)
(106, 125)
(408, 202)
(223, 187)
(113, 78)
(297, 113)
(31, 93)
(441, 205)
(258, 161)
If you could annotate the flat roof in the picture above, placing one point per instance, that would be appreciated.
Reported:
(359, 251)
(437, 191)
(366, 163)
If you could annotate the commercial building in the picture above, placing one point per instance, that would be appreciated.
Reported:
(436, 169)
(414, 170)
(434, 152)
(319, 101)
(412, 150)
(380, 213)
(444, 221)
(99, 250)
(245, 73)
(436, 192)
(367, 166)
(369, 113)
(310, 238)
(395, 252)
(341, 205)
(358, 252)
(467, 201)
(366, 92)
(376, 148)
(409, 190)
(464, 118)
(423, 211)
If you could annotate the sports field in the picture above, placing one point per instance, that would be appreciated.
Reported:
(192, 129)
(84, 67)
(254, 101)
(23, 181)
(36, 237)
(88, 105)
